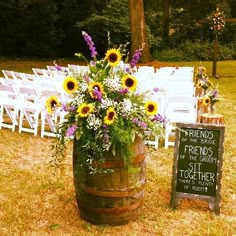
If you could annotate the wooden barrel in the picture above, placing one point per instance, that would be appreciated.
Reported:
(201, 108)
(111, 198)
(216, 119)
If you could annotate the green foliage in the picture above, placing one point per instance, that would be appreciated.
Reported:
(195, 51)
(153, 41)
(169, 55)
(35, 34)
(50, 28)
(113, 19)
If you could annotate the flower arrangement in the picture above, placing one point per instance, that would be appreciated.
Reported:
(210, 93)
(202, 80)
(217, 22)
(210, 98)
(105, 111)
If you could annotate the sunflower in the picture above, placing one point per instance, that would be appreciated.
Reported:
(85, 109)
(110, 116)
(151, 108)
(95, 90)
(52, 103)
(199, 84)
(206, 101)
(129, 82)
(70, 84)
(113, 56)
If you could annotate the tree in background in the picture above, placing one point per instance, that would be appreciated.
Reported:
(165, 21)
(11, 28)
(42, 38)
(52, 28)
(68, 12)
(138, 29)
(100, 22)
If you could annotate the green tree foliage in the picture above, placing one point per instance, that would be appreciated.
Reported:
(10, 30)
(28, 28)
(111, 20)
(39, 26)
(52, 28)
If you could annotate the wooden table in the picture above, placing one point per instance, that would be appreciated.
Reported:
(216, 119)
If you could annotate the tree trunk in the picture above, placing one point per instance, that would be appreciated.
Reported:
(138, 30)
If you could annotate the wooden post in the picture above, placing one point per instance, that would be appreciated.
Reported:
(215, 55)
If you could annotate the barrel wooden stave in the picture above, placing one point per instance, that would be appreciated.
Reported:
(112, 198)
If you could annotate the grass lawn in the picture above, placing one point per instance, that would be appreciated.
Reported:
(34, 200)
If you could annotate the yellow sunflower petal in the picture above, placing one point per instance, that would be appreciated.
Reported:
(110, 116)
(113, 56)
(85, 109)
(206, 101)
(52, 103)
(70, 85)
(130, 82)
(93, 86)
(151, 108)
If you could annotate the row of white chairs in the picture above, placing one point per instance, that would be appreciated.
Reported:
(22, 103)
(23, 96)
(175, 95)
(26, 95)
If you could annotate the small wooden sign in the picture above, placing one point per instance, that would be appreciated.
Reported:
(197, 167)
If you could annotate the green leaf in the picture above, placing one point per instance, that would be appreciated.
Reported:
(114, 149)
(77, 135)
(54, 226)
(132, 135)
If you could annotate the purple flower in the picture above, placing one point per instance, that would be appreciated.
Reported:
(215, 93)
(135, 120)
(97, 94)
(86, 78)
(135, 58)
(156, 90)
(90, 43)
(92, 63)
(124, 90)
(127, 69)
(68, 108)
(159, 118)
(142, 124)
(72, 108)
(71, 131)
(64, 107)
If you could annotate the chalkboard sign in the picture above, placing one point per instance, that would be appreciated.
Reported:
(197, 167)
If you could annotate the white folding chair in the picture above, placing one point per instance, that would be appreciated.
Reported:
(6, 81)
(159, 98)
(56, 68)
(183, 73)
(27, 76)
(9, 107)
(146, 69)
(8, 74)
(42, 72)
(180, 88)
(178, 109)
(77, 69)
(30, 109)
(20, 80)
